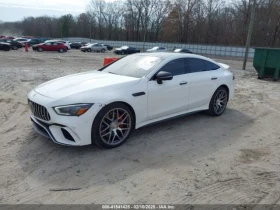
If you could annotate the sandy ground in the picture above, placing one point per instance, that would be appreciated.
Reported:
(232, 159)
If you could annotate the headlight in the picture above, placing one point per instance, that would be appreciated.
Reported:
(72, 110)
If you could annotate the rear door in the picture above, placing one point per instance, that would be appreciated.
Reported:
(203, 81)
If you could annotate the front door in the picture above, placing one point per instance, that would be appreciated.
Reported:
(171, 96)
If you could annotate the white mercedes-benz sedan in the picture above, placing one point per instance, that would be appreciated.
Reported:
(103, 107)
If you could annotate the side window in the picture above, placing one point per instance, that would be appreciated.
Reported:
(55, 43)
(211, 66)
(48, 43)
(195, 65)
(175, 67)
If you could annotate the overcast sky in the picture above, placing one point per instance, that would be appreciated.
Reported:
(13, 10)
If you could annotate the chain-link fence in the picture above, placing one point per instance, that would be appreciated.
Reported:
(229, 51)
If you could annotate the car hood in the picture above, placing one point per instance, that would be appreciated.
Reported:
(4, 43)
(118, 49)
(84, 82)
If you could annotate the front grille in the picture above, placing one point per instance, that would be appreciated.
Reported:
(39, 111)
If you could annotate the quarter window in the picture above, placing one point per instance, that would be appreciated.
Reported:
(195, 65)
(211, 66)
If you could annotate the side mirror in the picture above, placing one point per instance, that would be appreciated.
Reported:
(163, 75)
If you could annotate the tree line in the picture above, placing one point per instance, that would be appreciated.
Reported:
(215, 22)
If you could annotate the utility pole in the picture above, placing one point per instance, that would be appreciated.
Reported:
(90, 29)
(250, 30)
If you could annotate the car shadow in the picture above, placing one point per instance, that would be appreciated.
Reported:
(179, 141)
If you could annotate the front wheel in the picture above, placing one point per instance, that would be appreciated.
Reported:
(40, 49)
(14, 47)
(102, 50)
(112, 125)
(218, 102)
(6, 48)
(89, 50)
(61, 50)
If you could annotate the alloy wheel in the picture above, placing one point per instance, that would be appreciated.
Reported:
(220, 101)
(115, 126)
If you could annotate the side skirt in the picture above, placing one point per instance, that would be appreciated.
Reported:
(169, 117)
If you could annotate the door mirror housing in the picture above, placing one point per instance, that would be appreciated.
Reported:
(163, 75)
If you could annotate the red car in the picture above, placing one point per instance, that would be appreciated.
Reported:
(50, 46)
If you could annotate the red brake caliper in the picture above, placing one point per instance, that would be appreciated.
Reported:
(120, 117)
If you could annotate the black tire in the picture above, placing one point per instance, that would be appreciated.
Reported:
(14, 47)
(6, 48)
(122, 52)
(89, 50)
(61, 50)
(40, 49)
(96, 126)
(213, 111)
(102, 50)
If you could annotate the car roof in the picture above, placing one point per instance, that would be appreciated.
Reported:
(165, 55)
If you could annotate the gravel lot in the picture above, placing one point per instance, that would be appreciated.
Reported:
(232, 159)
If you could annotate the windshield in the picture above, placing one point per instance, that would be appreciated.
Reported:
(133, 65)
(178, 50)
(155, 48)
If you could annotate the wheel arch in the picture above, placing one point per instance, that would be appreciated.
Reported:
(226, 87)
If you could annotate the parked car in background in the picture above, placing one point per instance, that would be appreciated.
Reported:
(76, 45)
(96, 47)
(27, 37)
(157, 49)
(50, 46)
(2, 37)
(5, 46)
(21, 40)
(14, 44)
(126, 50)
(182, 51)
(10, 37)
(66, 43)
(32, 42)
(109, 47)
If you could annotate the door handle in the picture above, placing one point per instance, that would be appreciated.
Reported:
(183, 83)
(214, 78)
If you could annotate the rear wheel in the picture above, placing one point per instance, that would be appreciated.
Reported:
(61, 50)
(14, 47)
(89, 50)
(218, 102)
(122, 52)
(40, 49)
(102, 50)
(112, 125)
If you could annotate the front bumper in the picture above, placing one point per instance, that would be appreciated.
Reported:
(64, 130)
